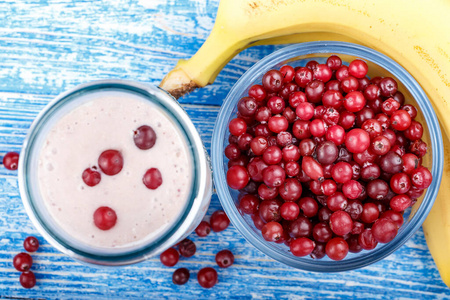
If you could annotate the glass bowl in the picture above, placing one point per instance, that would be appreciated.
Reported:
(379, 65)
(51, 229)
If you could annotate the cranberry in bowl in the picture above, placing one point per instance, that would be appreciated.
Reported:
(327, 156)
(113, 172)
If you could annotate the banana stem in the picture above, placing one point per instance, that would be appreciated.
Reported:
(204, 66)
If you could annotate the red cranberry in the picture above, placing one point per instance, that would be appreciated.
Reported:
(27, 279)
(347, 119)
(31, 244)
(322, 72)
(301, 227)
(153, 179)
(342, 73)
(255, 169)
(207, 277)
(377, 189)
(276, 105)
(353, 245)
(272, 81)
(312, 168)
(410, 163)
(421, 178)
(302, 246)
(341, 223)
(219, 221)
(237, 126)
(317, 127)
(267, 193)
(327, 153)
(411, 110)
(370, 213)
(388, 87)
(334, 62)
(272, 231)
(237, 177)
(257, 92)
(414, 131)
(391, 162)
(105, 218)
(291, 153)
(314, 91)
(257, 221)
(354, 208)
(247, 106)
(180, 276)
(349, 84)
(322, 232)
(332, 98)
(169, 257)
(110, 162)
(278, 123)
(363, 115)
(303, 76)
(419, 148)
(22, 262)
(390, 106)
(296, 98)
(372, 127)
(380, 145)
(203, 229)
(288, 73)
(357, 140)
(366, 240)
(372, 92)
(336, 248)
(358, 68)
(263, 114)
(400, 183)
(144, 137)
(400, 120)
(342, 172)
(274, 176)
(232, 151)
(290, 190)
(11, 160)
(400, 202)
(91, 177)
(187, 248)
(354, 101)
(394, 216)
(319, 251)
(384, 230)
(399, 97)
(248, 204)
(300, 129)
(305, 111)
(308, 206)
(244, 141)
(289, 211)
(370, 172)
(269, 210)
(292, 168)
(335, 134)
(329, 187)
(337, 201)
(224, 258)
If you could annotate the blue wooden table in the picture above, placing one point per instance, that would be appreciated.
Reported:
(49, 46)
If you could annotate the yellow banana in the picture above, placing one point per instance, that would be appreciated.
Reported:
(437, 225)
(414, 33)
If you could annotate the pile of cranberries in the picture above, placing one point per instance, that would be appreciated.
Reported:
(110, 162)
(206, 277)
(326, 159)
(23, 262)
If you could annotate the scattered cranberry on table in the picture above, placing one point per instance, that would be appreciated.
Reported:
(11, 160)
(203, 229)
(325, 159)
(224, 258)
(169, 257)
(187, 248)
(22, 262)
(219, 221)
(27, 279)
(31, 244)
(180, 276)
(207, 277)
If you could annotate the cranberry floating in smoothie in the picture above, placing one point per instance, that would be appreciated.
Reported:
(115, 171)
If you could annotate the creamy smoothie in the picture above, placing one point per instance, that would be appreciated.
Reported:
(108, 120)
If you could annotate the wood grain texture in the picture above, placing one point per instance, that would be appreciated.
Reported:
(47, 47)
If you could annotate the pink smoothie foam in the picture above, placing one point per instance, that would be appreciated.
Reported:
(107, 120)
